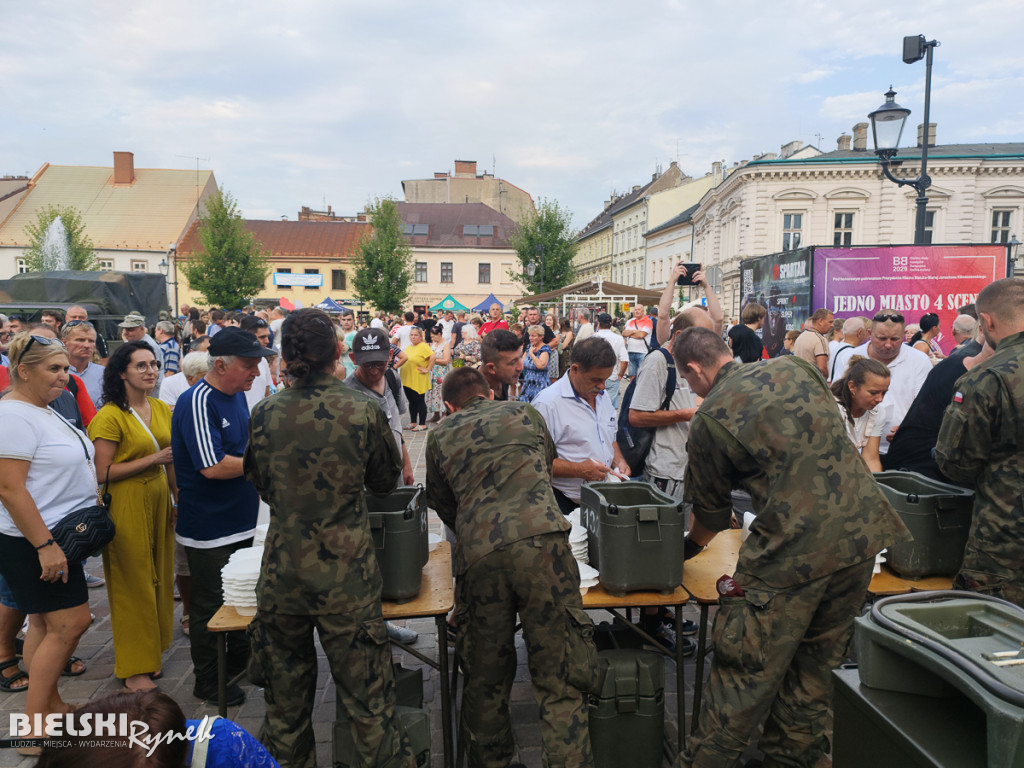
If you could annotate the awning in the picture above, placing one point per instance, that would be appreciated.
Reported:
(330, 305)
(485, 305)
(449, 304)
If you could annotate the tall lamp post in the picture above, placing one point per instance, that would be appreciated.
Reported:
(531, 268)
(170, 270)
(1012, 250)
(887, 126)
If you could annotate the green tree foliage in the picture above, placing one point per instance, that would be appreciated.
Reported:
(231, 266)
(80, 251)
(548, 240)
(384, 270)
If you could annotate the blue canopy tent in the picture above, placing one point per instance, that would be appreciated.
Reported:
(330, 305)
(485, 305)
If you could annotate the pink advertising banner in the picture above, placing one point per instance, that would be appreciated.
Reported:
(909, 279)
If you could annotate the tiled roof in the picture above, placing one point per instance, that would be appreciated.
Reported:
(603, 221)
(446, 222)
(148, 214)
(941, 151)
(307, 239)
(674, 221)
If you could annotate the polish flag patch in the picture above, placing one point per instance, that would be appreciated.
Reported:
(958, 397)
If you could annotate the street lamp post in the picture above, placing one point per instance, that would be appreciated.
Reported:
(887, 126)
(531, 268)
(1012, 250)
(170, 270)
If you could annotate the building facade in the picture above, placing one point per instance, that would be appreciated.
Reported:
(468, 186)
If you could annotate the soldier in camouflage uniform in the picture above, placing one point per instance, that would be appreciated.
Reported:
(312, 448)
(981, 442)
(489, 478)
(772, 428)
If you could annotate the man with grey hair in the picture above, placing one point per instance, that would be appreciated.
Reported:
(169, 346)
(193, 367)
(586, 329)
(79, 339)
(965, 328)
(78, 312)
(856, 331)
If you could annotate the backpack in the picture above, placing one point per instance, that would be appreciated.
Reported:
(635, 442)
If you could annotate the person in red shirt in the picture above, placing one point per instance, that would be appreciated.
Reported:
(496, 321)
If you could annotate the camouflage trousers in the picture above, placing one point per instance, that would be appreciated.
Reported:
(987, 580)
(284, 663)
(538, 578)
(774, 653)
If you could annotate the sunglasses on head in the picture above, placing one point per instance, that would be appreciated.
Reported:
(32, 340)
(882, 317)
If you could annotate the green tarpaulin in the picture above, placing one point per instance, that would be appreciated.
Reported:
(448, 304)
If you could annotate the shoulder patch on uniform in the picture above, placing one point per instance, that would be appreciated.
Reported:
(958, 397)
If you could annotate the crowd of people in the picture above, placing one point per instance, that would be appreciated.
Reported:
(189, 428)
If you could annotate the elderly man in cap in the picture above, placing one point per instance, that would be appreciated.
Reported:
(217, 506)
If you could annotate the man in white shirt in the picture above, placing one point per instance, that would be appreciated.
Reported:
(377, 322)
(447, 324)
(637, 335)
(586, 329)
(582, 422)
(909, 368)
(604, 331)
(400, 335)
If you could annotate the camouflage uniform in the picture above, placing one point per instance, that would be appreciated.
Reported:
(773, 429)
(981, 442)
(489, 478)
(311, 450)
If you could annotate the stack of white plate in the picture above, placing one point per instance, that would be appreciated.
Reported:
(578, 543)
(588, 578)
(239, 579)
(260, 537)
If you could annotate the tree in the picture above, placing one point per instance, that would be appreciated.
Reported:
(80, 252)
(383, 262)
(547, 239)
(231, 266)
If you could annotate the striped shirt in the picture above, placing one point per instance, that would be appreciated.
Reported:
(206, 426)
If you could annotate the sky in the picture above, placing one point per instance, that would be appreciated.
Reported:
(333, 102)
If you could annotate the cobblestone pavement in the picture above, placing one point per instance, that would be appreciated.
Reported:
(96, 649)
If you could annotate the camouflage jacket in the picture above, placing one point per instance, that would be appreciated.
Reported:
(489, 477)
(981, 443)
(312, 449)
(773, 429)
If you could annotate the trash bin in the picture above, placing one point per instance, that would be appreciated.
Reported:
(627, 709)
(939, 518)
(399, 525)
(635, 536)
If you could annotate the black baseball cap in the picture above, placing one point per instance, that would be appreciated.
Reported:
(371, 345)
(239, 343)
(604, 319)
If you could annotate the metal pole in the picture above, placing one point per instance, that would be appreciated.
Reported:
(923, 182)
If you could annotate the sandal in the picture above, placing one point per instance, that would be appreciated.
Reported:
(184, 625)
(7, 681)
(69, 668)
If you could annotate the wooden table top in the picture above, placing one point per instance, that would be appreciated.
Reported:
(436, 596)
(598, 597)
(701, 573)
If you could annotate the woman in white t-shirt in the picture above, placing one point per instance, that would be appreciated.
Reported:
(45, 474)
(858, 394)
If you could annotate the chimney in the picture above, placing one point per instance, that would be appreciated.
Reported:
(931, 134)
(465, 168)
(716, 172)
(124, 168)
(790, 149)
(843, 142)
(360, 217)
(860, 137)
(440, 174)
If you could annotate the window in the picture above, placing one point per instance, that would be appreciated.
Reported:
(792, 223)
(22, 266)
(1001, 226)
(287, 271)
(312, 272)
(416, 230)
(338, 281)
(421, 271)
(929, 226)
(475, 230)
(483, 272)
(842, 232)
(106, 265)
(139, 266)
(446, 272)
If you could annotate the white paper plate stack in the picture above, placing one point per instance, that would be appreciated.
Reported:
(239, 579)
(260, 537)
(588, 577)
(578, 543)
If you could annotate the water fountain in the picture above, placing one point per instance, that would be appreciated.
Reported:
(56, 247)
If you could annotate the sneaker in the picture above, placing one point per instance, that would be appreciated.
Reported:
(689, 628)
(668, 618)
(401, 634)
(93, 581)
(664, 636)
(233, 695)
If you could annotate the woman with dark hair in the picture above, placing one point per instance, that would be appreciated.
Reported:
(132, 435)
(926, 339)
(313, 450)
(858, 394)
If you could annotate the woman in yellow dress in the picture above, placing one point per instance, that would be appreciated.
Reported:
(132, 435)
(415, 373)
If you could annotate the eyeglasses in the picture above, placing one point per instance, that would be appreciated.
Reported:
(882, 317)
(377, 364)
(152, 365)
(75, 323)
(32, 340)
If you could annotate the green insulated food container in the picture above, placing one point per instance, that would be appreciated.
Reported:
(635, 535)
(399, 524)
(939, 518)
(627, 709)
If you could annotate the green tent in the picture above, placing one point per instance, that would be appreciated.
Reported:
(449, 304)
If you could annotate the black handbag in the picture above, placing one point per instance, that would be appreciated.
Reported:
(84, 532)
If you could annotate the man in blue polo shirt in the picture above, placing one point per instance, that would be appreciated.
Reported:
(217, 506)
